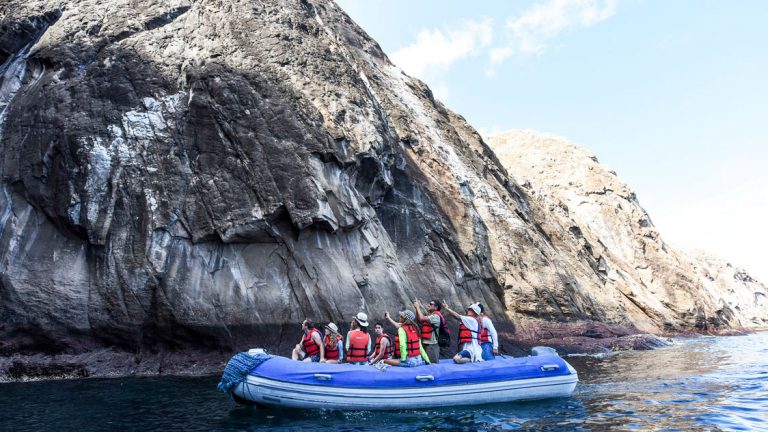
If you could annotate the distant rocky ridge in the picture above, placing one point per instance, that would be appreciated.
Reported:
(184, 179)
(671, 289)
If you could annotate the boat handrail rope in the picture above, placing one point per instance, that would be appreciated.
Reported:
(237, 370)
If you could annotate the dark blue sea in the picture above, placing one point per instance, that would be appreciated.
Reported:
(708, 383)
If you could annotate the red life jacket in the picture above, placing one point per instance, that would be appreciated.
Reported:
(412, 342)
(331, 350)
(427, 328)
(484, 334)
(390, 347)
(358, 346)
(466, 335)
(310, 347)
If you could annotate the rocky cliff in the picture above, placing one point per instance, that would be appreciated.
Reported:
(199, 176)
(670, 289)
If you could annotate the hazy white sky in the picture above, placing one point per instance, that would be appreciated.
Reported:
(673, 95)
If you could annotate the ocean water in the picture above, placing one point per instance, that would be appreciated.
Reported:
(708, 383)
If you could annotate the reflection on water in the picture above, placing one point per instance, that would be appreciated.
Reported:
(704, 383)
(697, 384)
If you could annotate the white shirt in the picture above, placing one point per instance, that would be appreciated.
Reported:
(491, 332)
(473, 347)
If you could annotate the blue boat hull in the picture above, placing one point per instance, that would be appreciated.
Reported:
(282, 382)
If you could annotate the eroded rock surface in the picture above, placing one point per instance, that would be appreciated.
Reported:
(591, 214)
(200, 176)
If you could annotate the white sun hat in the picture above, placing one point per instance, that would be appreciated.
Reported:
(475, 308)
(361, 318)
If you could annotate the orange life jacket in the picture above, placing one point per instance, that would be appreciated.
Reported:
(358, 346)
(466, 335)
(484, 334)
(390, 348)
(331, 350)
(412, 341)
(310, 347)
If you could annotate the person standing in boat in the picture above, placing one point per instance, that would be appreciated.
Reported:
(384, 348)
(334, 346)
(489, 339)
(311, 346)
(469, 334)
(430, 326)
(358, 340)
(408, 349)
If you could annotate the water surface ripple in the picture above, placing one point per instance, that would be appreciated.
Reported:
(711, 383)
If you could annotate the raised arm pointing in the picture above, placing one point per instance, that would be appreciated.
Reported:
(450, 311)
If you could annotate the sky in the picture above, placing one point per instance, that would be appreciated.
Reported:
(672, 95)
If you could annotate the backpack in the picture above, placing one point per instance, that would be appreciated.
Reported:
(444, 335)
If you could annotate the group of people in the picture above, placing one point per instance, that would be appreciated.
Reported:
(416, 341)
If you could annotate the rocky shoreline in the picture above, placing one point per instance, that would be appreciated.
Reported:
(568, 339)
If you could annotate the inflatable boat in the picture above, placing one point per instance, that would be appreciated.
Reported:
(271, 381)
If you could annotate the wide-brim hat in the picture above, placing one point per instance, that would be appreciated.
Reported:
(333, 328)
(361, 318)
(474, 308)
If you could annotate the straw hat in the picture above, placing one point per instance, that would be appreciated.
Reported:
(333, 328)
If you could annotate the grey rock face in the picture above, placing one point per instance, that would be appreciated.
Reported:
(200, 174)
(203, 175)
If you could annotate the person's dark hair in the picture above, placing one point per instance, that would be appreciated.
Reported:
(379, 324)
(438, 305)
(482, 308)
(309, 322)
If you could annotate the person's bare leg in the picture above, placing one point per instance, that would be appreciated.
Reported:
(461, 360)
(332, 361)
(392, 362)
(307, 359)
(297, 353)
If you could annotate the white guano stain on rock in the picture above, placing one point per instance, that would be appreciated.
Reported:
(99, 172)
(15, 68)
(491, 209)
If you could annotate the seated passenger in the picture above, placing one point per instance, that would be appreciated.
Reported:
(334, 347)
(311, 346)
(385, 347)
(489, 339)
(408, 349)
(358, 340)
(469, 334)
